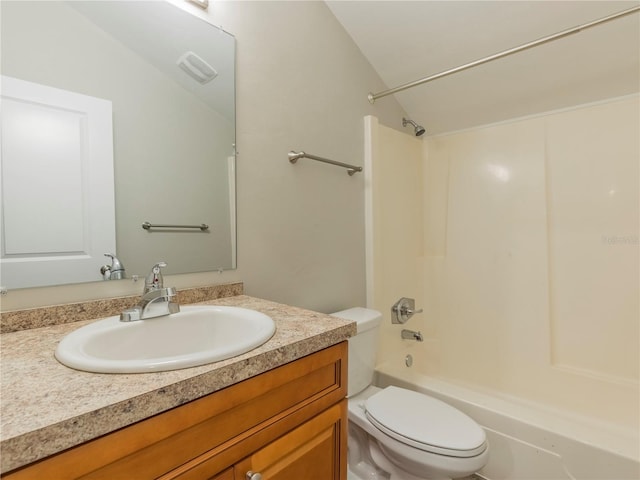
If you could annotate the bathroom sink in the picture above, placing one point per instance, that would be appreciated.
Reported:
(197, 335)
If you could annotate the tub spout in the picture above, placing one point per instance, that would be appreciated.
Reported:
(411, 335)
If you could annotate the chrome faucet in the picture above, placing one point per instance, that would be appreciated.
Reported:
(156, 300)
(115, 271)
(411, 335)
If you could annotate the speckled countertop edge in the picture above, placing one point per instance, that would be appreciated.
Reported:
(47, 407)
(13, 321)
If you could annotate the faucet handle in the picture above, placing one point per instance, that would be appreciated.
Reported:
(154, 280)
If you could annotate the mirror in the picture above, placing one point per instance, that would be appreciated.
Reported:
(169, 79)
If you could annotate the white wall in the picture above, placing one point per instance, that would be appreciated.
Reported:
(532, 266)
(395, 232)
(301, 84)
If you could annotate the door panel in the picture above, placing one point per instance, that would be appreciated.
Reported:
(57, 189)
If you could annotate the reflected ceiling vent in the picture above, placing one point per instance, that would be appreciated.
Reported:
(197, 68)
(204, 4)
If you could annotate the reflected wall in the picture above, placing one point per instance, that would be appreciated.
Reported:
(174, 146)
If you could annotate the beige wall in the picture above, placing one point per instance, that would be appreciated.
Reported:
(395, 232)
(301, 84)
(531, 259)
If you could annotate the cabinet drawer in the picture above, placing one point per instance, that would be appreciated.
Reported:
(226, 475)
(150, 448)
(311, 452)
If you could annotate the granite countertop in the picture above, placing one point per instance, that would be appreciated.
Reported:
(47, 407)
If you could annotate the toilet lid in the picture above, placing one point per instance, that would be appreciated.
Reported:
(425, 423)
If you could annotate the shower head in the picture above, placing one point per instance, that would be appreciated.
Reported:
(418, 129)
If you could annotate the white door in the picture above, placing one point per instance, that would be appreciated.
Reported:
(57, 190)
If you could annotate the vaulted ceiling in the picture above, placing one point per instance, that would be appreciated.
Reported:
(408, 40)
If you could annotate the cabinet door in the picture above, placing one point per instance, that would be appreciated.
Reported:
(316, 450)
(226, 475)
(199, 475)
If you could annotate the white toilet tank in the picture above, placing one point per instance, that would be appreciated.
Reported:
(362, 347)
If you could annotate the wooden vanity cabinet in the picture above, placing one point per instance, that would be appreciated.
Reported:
(308, 452)
(287, 423)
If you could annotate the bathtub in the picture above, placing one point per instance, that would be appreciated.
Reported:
(531, 442)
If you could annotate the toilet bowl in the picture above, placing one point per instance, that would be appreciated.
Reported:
(399, 434)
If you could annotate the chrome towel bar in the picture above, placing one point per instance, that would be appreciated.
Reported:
(351, 169)
(149, 226)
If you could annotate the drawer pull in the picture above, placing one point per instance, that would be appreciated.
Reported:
(253, 475)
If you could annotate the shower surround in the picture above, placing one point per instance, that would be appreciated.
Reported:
(520, 241)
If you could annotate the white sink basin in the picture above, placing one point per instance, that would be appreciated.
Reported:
(195, 336)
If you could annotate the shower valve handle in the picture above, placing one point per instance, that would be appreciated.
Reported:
(403, 310)
(408, 311)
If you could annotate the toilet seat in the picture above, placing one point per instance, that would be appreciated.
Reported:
(425, 423)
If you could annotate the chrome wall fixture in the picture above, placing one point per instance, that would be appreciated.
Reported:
(148, 226)
(351, 169)
(411, 335)
(417, 129)
(374, 96)
(403, 310)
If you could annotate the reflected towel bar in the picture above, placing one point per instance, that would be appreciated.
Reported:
(351, 169)
(148, 226)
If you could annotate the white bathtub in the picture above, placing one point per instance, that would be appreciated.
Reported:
(532, 443)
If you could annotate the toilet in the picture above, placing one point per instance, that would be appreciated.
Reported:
(399, 434)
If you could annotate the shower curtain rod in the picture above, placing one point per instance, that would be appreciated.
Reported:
(374, 96)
